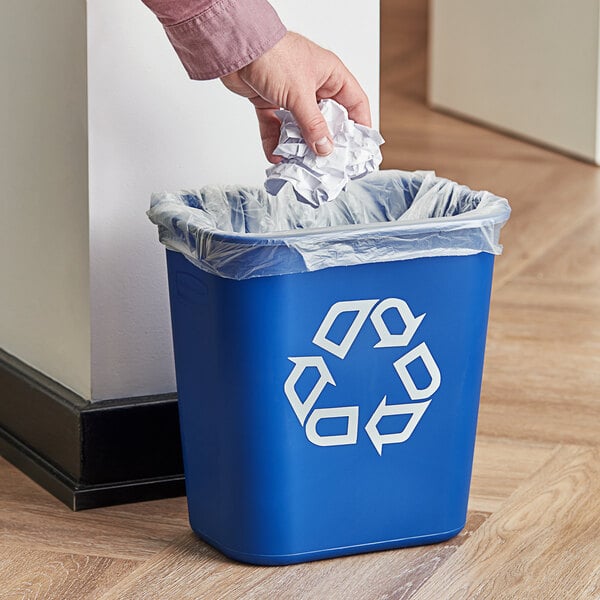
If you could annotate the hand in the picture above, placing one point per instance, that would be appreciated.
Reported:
(295, 74)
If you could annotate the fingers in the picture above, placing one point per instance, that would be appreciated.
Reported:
(269, 126)
(343, 87)
(356, 103)
(312, 124)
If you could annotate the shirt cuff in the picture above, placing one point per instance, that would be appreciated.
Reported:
(225, 37)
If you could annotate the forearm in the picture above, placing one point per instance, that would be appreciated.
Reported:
(217, 37)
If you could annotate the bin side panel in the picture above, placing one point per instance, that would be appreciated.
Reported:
(268, 485)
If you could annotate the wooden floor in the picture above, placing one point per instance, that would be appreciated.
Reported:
(534, 522)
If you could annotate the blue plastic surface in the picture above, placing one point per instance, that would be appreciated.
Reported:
(258, 488)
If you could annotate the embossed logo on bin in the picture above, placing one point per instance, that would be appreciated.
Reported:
(364, 310)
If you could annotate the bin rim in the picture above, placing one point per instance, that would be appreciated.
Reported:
(352, 230)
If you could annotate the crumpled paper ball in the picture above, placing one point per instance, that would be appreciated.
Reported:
(317, 179)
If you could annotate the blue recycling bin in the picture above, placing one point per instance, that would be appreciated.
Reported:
(328, 400)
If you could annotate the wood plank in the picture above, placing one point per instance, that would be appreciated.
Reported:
(572, 266)
(30, 517)
(190, 569)
(542, 373)
(27, 573)
(544, 543)
(540, 391)
(500, 465)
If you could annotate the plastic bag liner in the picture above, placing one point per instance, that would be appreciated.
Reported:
(241, 232)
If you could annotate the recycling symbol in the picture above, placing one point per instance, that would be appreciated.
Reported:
(420, 397)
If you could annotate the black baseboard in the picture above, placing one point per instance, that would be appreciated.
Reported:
(88, 454)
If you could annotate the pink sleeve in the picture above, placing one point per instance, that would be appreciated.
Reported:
(216, 37)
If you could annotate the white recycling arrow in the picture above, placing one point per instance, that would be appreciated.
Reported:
(385, 410)
(301, 363)
(401, 365)
(361, 308)
(411, 323)
(343, 439)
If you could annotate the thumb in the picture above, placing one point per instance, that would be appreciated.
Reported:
(312, 125)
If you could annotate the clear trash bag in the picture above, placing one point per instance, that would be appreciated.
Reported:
(240, 232)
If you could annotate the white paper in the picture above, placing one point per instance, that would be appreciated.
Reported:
(317, 179)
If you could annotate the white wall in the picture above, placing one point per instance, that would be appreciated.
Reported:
(530, 67)
(44, 266)
(150, 129)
